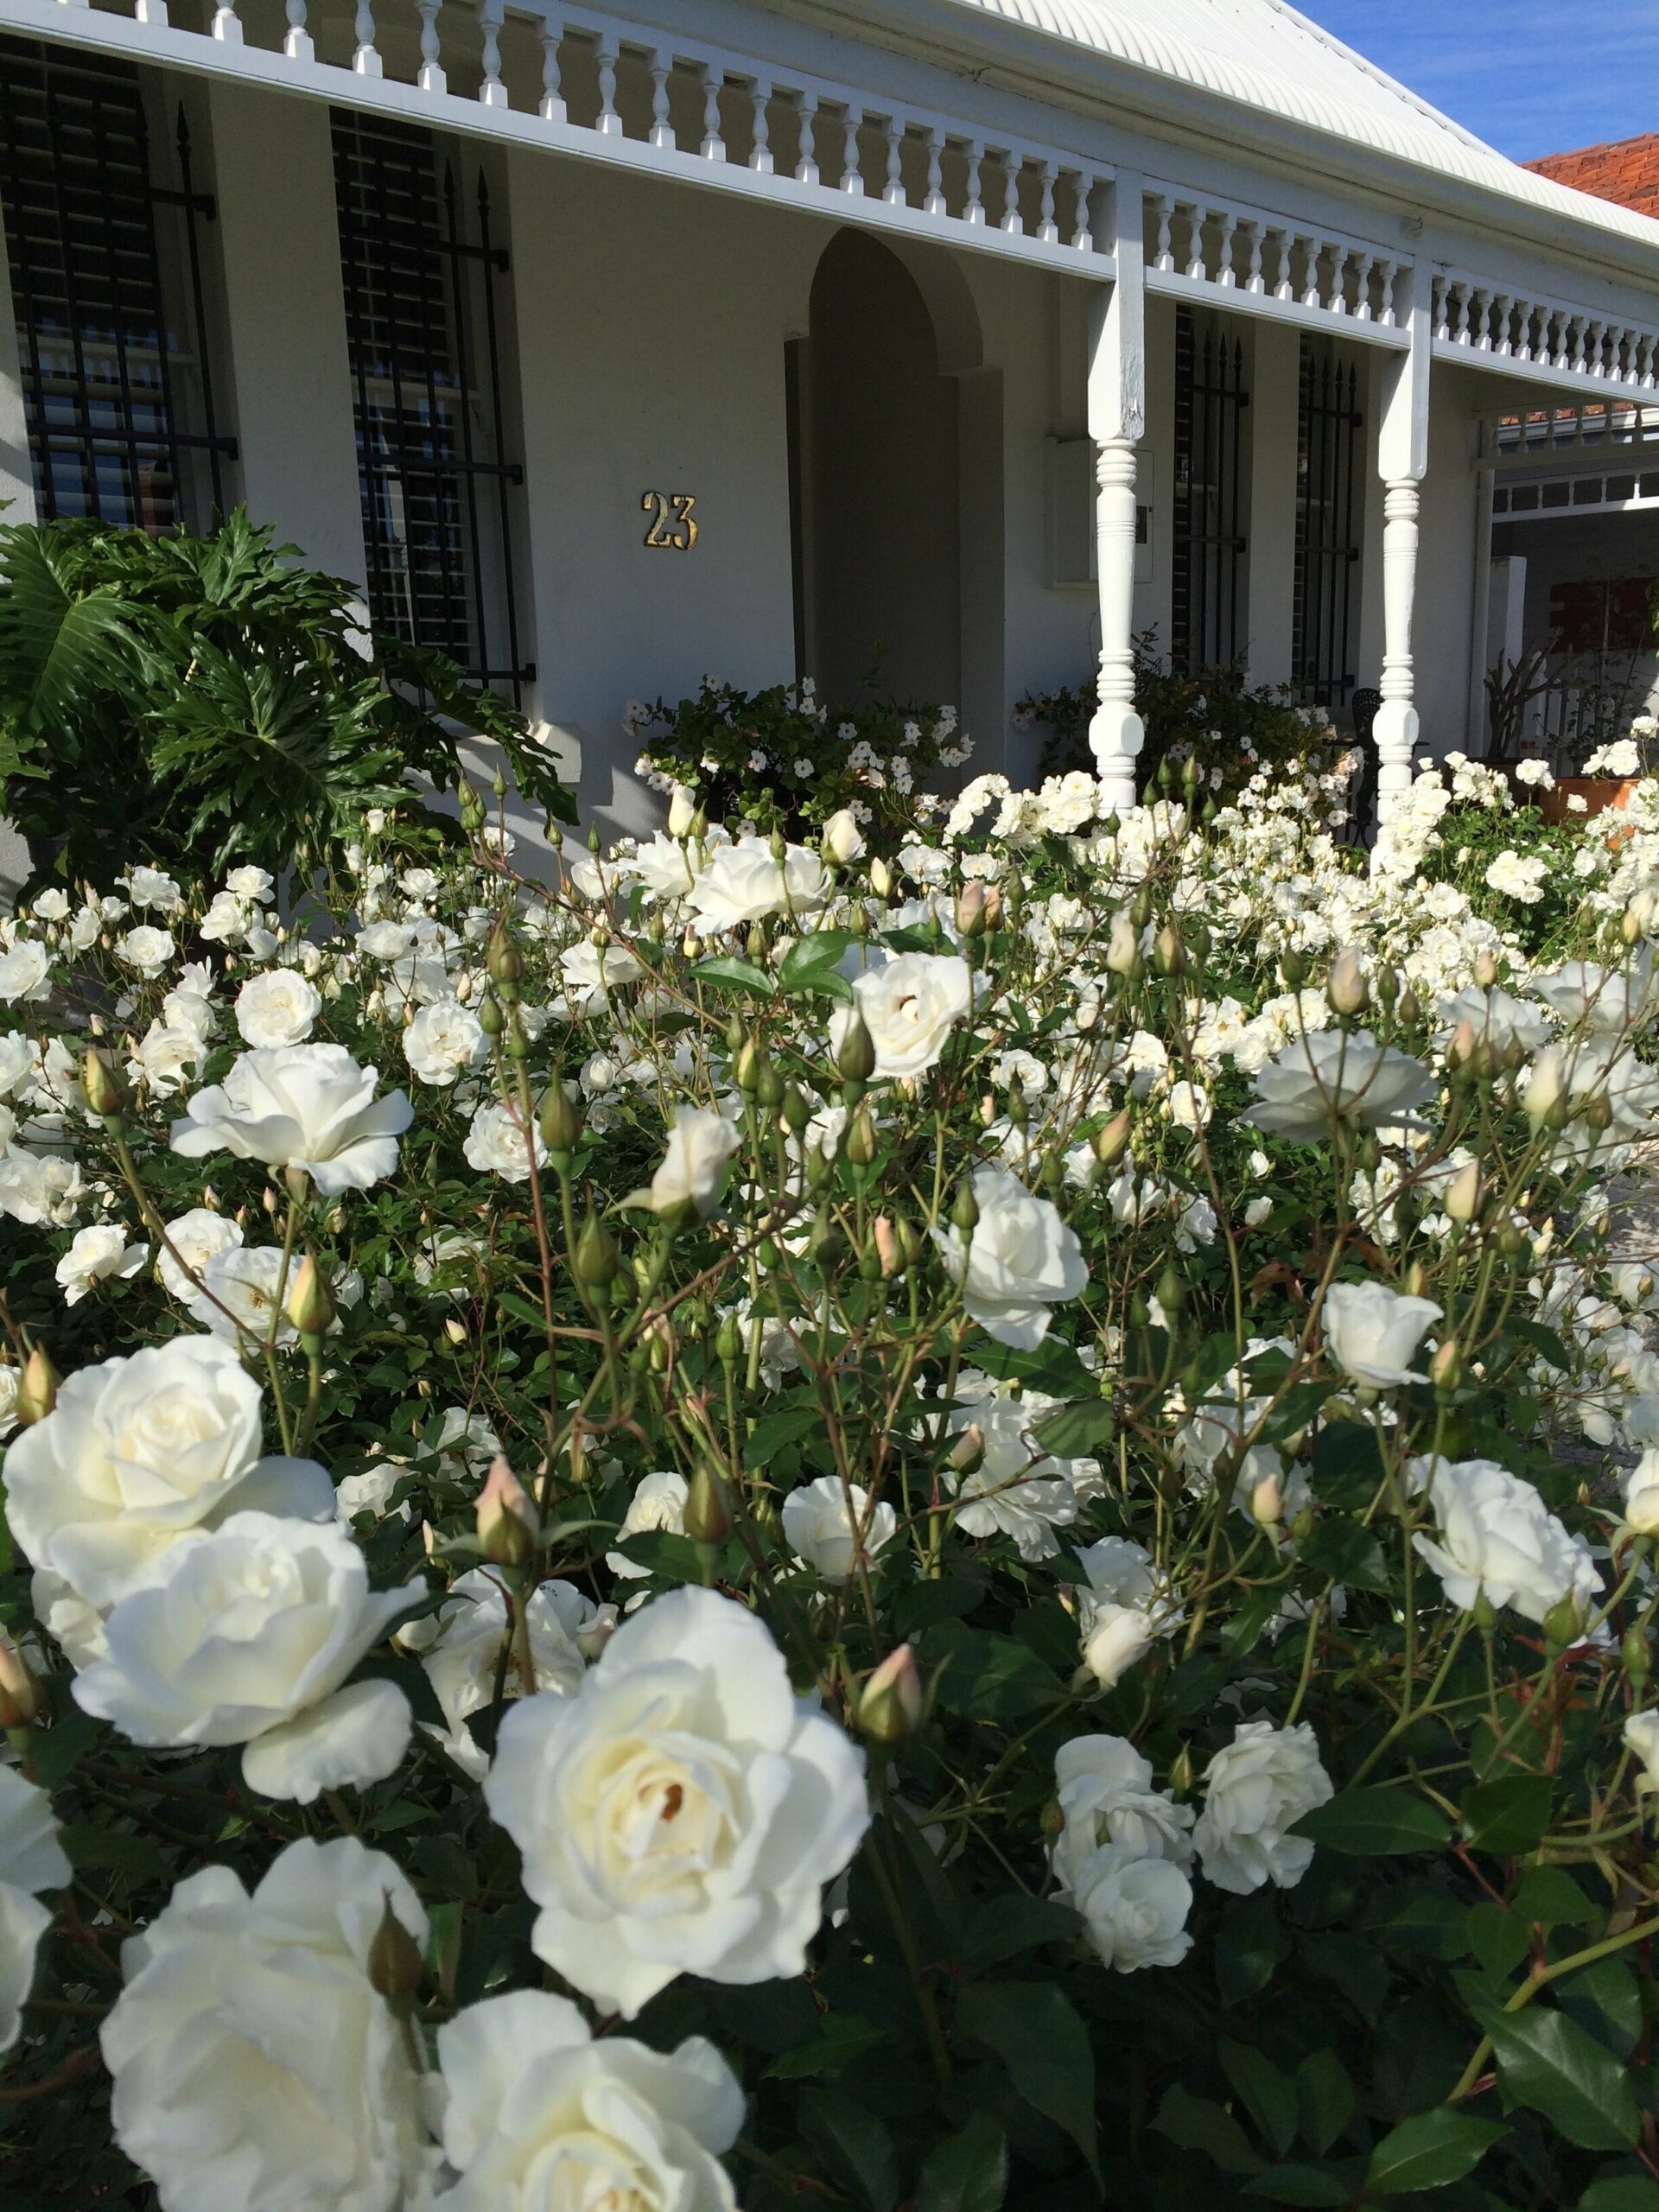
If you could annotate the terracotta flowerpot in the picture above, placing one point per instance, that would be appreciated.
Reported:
(1597, 793)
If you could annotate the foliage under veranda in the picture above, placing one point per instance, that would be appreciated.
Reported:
(1453, 1989)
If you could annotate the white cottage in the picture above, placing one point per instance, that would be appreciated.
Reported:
(970, 336)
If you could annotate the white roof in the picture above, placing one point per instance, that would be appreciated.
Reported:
(1268, 57)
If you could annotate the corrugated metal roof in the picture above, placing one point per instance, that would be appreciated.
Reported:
(1268, 56)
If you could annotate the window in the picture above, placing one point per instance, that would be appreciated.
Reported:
(1208, 543)
(420, 326)
(118, 402)
(1329, 467)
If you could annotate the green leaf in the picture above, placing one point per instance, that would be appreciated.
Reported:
(1621, 2193)
(773, 1430)
(1428, 2151)
(811, 963)
(1266, 2094)
(1551, 1898)
(1077, 1431)
(1300, 2185)
(841, 2038)
(986, 1676)
(1195, 2124)
(854, 2147)
(54, 1752)
(742, 975)
(1348, 1468)
(967, 2172)
(1343, 1551)
(1547, 2062)
(1508, 1815)
(1605, 1999)
(1249, 1942)
(1007, 1925)
(1376, 1822)
(113, 1851)
(1034, 2029)
(1325, 2100)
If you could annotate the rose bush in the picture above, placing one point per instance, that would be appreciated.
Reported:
(952, 1522)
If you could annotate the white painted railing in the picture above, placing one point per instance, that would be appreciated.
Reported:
(1546, 339)
(1270, 263)
(632, 86)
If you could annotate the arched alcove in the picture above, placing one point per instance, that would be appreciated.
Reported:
(879, 505)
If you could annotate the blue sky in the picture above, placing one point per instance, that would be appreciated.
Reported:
(1529, 76)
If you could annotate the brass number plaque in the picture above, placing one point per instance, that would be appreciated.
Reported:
(673, 526)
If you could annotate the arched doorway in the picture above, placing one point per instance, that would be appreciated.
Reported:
(878, 511)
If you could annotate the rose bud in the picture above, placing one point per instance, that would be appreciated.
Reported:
(507, 1519)
(893, 1706)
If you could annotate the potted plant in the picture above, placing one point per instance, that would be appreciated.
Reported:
(1609, 774)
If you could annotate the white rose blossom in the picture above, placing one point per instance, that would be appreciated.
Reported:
(245, 1635)
(97, 1254)
(743, 882)
(1499, 1540)
(1336, 1074)
(31, 1860)
(188, 1243)
(1017, 1489)
(443, 1040)
(658, 1502)
(692, 1174)
(682, 1812)
(538, 2116)
(139, 1450)
(146, 948)
(277, 1007)
(1255, 1790)
(496, 1143)
(304, 1106)
(909, 1005)
(1374, 1333)
(830, 1524)
(254, 2064)
(1019, 1259)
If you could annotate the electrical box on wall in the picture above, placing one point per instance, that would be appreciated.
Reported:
(1070, 490)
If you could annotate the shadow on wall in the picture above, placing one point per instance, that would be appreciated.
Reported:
(880, 470)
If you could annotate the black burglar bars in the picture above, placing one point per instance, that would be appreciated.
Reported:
(1327, 527)
(119, 415)
(430, 444)
(1208, 539)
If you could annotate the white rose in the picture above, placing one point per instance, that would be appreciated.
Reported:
(1020, 1259)
(460, 1647)
(1135, 1908)
(443, 1038)
(1333, 1072)
(31, 1860)
(99, 1254)
(255, 883)
(495, 1144)
(539, 2116)
(665, 867)
(37, 1187)
(1106, 1798)
(1016, 1490)
(254, 2064)
(843, 840)
(1114, 1637)
(226, 920)
(1642, 1494)
(820, 1529)
(1373, 1333)
(1642, 1736)
(693, 1170)
(1499, 1540)
(167, 1057)
(195, 1238)
(1255, 1789)
(147, 949)
(139, 1450)
(660, 1502)
(53, 906)
(24, 969)
(243, 1296)
(277, 1007)
(909, 1006)
(591, 972)
(306, 1106)
(369, 1492)
(245, 1635)
(153, 888)
(743, 883)
(682, 1813)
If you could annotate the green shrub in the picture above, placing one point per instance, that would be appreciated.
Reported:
(192, 701)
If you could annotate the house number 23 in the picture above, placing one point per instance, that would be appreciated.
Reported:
(673, 526)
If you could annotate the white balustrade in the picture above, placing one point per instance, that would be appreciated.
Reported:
(1281, 267)
(1547, 338)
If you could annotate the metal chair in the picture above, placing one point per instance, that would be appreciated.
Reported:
(1361, 793)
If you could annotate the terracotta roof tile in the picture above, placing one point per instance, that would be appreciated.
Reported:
(1626, 171)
